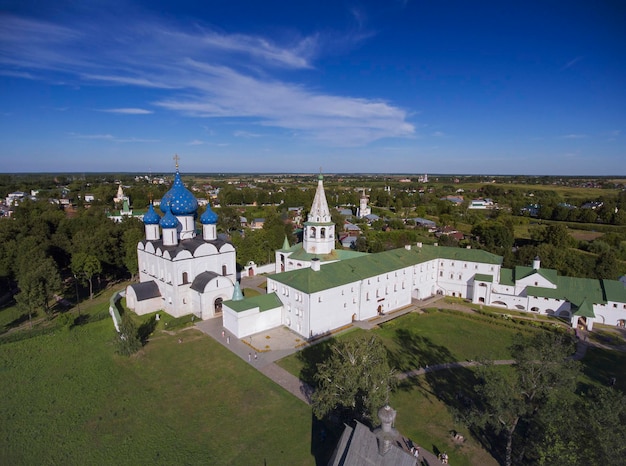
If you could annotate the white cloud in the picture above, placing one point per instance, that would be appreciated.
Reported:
(17, 74)
(200, 72)
(571, 63)
(128, 111)
(245, 134)
(112, 138)
(574, 136)
(195, 142)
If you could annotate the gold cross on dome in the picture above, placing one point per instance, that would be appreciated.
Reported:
(176, 159)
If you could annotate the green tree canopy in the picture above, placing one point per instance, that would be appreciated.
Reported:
(355, 381)
(508, 400)
(85, 266)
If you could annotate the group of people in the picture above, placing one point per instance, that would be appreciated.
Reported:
(443, 457)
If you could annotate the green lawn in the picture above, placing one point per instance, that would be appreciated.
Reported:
(422, 403)
(68, 398)
(417, 340)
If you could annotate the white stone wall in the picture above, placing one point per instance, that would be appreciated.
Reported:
(611, 313)
(249, 322)
(331, 309)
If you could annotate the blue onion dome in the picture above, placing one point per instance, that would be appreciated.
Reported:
(179, 199)
(165, 203)
(169, 221)
(208, 217)
(151, 217)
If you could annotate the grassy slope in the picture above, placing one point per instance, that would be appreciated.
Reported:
(67, 398)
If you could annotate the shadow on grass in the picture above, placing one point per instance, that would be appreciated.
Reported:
(324, 437)
(454, 387)
(145, 329)
(603, 365)
(311, 357)
(19, 321)
(82, 319)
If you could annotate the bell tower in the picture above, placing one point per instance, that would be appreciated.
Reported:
(319, 230)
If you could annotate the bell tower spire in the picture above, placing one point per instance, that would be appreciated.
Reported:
(319, 230)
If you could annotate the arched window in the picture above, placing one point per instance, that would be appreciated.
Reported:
(312, 235)
(218, 305)
(224, 269)
(185, 278)
(322, 232)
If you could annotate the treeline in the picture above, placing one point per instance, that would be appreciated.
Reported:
(43, 252)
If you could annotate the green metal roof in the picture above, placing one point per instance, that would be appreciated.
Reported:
(614, 291)
(481, 277)
(506, 277)
(264, 302)
(548, 274)
(298, 253)
(370, 265)
(573, 289)
(585, 309)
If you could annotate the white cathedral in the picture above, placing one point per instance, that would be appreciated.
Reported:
(181, 272)
(317, 289)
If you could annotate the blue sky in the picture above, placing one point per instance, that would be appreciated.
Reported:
(502, 87)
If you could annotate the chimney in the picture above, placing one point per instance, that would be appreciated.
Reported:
(536, 263)
(315, 264)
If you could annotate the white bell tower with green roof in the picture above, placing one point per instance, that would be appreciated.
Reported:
(319, 230)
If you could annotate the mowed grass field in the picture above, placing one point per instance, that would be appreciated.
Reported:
(67, 398)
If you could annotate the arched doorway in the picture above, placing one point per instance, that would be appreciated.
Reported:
(218, 305)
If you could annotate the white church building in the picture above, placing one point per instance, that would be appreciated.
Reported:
(181, 272)
(317, 289)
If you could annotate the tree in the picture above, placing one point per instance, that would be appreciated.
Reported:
(86, 266)
(557, 235)
(496, 237)
(127, 340)
(607, 266)
(130, 239)
(602, 412)
(29, 297)
(228, 219)
(356, 380)
(38, 284)
(508, 400)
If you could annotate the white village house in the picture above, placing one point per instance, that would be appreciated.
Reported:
(317, 289)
